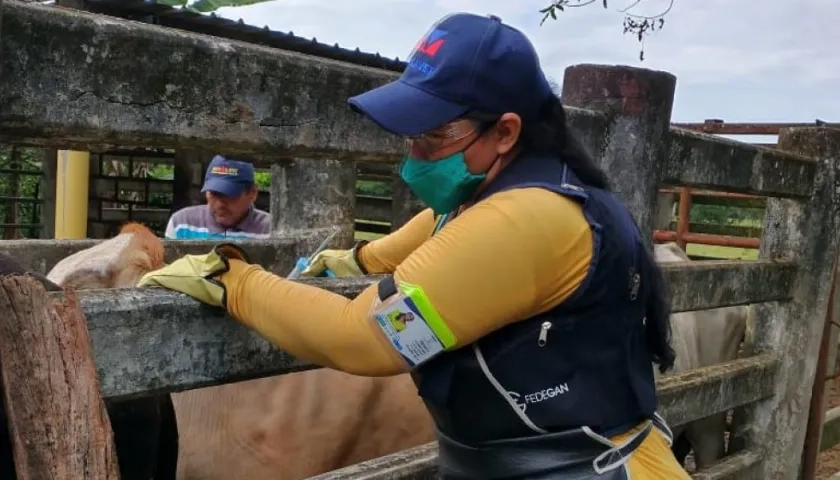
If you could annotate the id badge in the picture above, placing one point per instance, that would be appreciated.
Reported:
(412, 326)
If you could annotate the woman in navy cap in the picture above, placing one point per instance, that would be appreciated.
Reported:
(538, 311)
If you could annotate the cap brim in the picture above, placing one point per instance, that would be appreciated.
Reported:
(225, 187)
(404, 109)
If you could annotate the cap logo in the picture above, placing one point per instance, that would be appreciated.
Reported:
(431, 43)
(223, 170)
(428, 46)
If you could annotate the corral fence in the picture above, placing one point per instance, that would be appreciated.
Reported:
(123, 189)
(678, 201)
(20, 191)
(824, 423)
(139, 185)
(302, 128)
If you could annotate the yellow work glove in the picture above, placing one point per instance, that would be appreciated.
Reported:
(195, 275)
(343, 263)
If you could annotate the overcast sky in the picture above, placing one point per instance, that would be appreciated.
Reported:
(738, 60)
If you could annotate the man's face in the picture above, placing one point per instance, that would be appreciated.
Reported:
(228, 211)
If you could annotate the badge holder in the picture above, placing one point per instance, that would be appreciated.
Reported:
(411, 325)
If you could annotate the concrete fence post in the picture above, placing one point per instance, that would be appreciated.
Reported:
(404, 204)
(1, 36)
(639, 102)
(664, 211)
(309, 197)
(187, 172)
(803, 230)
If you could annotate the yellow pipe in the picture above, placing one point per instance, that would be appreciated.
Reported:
(71, 194)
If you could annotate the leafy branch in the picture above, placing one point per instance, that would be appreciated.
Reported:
(638, 25)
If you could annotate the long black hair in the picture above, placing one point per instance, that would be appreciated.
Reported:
(549, 133)
(657, 313)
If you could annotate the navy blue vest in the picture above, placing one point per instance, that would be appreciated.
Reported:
(582, 364)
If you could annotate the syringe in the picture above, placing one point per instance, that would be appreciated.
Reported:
(303, 262)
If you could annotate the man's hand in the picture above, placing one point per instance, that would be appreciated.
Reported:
(195, 275)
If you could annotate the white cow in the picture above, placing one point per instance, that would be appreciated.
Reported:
(702, 338)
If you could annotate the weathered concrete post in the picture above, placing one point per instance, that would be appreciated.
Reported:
(49, 164)
(819, 393)
(1, 34)
(804, 230)
(639, 102)
(57, 421)
(664, 211)
(187, 171)
(309, 197)
(404, 204)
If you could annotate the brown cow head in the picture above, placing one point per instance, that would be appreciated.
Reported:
(118, 262)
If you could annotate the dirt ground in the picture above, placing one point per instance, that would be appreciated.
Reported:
(828, 463)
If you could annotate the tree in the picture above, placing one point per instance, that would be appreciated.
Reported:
(639, 25)
(206, 6)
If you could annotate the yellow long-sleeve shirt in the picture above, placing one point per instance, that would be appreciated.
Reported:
(507, 258)
(511, 256)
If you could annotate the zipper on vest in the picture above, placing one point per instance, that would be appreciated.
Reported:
(635, 281)
(546, 326)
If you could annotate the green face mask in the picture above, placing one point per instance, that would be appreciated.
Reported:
(443, 184)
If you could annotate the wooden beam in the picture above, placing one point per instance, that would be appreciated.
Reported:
(58, 424)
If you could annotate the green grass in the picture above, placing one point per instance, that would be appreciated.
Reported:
(373, 187)
(730, 253)
(367, 236)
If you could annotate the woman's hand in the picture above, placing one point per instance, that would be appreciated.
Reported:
(196, 275)
(341, 262)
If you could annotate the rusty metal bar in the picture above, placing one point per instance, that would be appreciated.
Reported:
(684, 215)
(813, 432)
(745, 128)
(709, 193)
(683, 236)
(707, 239)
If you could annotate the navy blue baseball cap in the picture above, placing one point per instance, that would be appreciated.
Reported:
(228, 177)
(464, 62)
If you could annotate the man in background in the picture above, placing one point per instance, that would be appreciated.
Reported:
(231, 191)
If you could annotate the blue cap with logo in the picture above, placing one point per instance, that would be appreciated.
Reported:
(465, 62)
(228, 177)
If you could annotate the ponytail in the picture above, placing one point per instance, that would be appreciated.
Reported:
(657, 313)
(550, 134)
